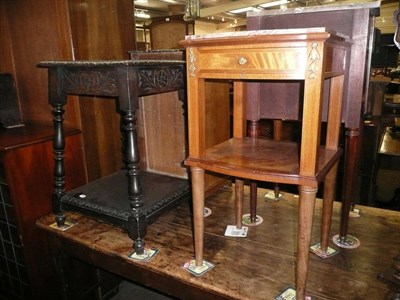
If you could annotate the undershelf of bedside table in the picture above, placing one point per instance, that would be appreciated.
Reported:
(262, 159)
(106, 199)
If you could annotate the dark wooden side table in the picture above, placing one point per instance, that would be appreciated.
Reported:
(307, 55)
(356, 22)
(130, 198)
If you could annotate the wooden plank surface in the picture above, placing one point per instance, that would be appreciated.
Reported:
(256, 267)
(164, 152)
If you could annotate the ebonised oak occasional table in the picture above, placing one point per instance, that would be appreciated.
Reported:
(130, 198)
(310, 56)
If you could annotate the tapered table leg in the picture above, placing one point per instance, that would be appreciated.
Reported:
(198, 213)
(327, 206)
(239, 191)
(343, 239)
(305, 222)
(253, 132)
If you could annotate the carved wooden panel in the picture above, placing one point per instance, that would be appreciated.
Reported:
(160, 79)
(90, 83)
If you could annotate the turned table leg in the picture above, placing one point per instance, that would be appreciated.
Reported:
(59, 168)
(137, 219)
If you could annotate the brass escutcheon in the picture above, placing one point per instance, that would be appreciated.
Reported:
(242, 61)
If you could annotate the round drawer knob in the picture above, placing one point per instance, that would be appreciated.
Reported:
(242, 61)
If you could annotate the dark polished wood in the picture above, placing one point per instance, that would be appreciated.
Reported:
(126, 80)
(10, 114)
(350, 165)
(256, 267)
(370, 134)
(26, 162)
(392, 277)
(357, 22)
(60, 30)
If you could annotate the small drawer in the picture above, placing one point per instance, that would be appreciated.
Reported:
(247, 62)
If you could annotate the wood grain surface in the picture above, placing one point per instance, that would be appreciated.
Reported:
(256, 267)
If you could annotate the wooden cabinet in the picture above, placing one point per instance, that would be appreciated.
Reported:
(26, 169)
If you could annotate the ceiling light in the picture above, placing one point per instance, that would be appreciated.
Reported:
(241, 10)
(141, 14)
(171, 1)
(192, 10)
(273, 3)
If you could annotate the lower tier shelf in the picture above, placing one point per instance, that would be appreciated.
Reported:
(106, 199)
(264, 160)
